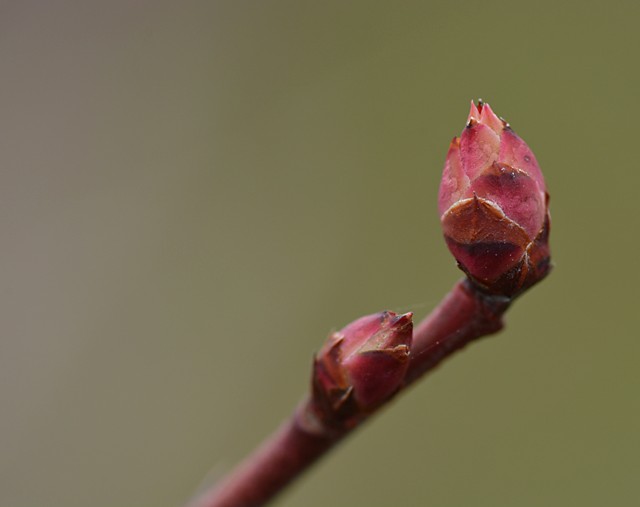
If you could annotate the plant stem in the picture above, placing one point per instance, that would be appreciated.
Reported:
(464, 315)
(280, 459)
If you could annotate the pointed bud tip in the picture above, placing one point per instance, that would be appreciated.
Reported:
(403, 320)
(474, 114)
(487, 117)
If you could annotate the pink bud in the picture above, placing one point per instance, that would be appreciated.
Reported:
(363, 365)
(493, 206)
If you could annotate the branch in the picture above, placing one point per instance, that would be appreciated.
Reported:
(494, 213)
(464, 315)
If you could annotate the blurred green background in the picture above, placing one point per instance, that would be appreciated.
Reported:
(194, 194)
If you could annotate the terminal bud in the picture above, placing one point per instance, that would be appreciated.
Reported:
(493, 206)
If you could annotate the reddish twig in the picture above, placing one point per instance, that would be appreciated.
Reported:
(464, 315)
(494, 213)
(280, 459)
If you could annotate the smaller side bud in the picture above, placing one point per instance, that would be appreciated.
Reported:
(361, 366)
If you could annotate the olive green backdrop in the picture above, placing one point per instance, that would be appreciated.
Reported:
(193, 194)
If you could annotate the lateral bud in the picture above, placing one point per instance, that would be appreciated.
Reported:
(361, 367)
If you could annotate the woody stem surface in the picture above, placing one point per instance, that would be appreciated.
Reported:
(465, 314)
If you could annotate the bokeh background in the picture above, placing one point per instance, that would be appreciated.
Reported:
(194, 194)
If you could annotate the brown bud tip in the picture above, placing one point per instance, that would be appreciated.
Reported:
(494, 206)
(363, 365)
